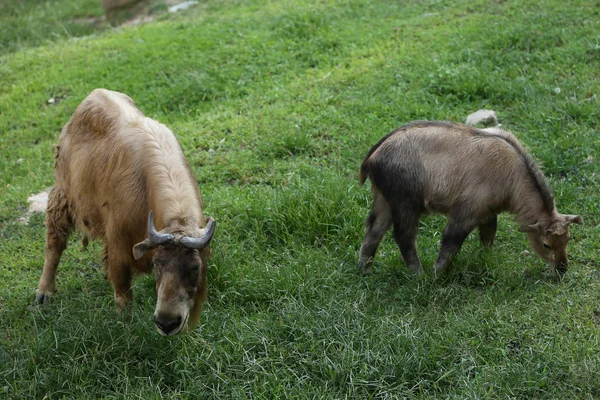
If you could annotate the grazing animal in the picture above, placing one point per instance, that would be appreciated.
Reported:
(468, 174)
(123, 178)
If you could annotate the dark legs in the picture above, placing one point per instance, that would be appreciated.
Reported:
(59, 225)
(405, 233)
(487, 231)
(378, 223)
(405, 222)
(455, 233)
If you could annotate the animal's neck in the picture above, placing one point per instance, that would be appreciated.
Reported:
(173, 205)
(527, 204)
(173, 194)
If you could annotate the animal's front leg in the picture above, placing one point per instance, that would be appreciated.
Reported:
(119, 274)
(487, 231)
(454, 235)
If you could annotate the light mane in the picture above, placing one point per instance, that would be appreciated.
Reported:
(172, 189)
(534, 172)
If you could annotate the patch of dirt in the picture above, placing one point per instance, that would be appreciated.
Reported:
(136, 14)
(37, 203)
(138, 19)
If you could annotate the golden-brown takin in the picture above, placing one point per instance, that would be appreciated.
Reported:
(118, 173)
(468, 174)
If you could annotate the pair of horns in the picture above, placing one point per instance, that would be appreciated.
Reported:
(156, 238)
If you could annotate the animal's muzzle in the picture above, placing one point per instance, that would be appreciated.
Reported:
(167, 323)
(561, 268)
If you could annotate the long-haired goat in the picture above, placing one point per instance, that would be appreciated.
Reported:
(122, 177)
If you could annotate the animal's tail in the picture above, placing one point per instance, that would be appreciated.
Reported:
(365, 166)
(364, 171)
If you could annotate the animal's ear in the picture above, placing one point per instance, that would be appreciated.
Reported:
(573, 219)
(530, 228)
(140, 249)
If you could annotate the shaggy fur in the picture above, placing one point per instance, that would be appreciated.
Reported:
(114, 165)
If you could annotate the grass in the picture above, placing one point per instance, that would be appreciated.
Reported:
(275, 103)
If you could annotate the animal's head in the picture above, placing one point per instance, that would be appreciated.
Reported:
(179, 272)
(549, 237)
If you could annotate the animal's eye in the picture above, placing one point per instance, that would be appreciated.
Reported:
(546, 245)
(194, 268)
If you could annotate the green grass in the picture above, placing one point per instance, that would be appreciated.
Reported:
(275, 104)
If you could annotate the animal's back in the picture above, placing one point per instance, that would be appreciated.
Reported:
(440, 164)
(105, 153)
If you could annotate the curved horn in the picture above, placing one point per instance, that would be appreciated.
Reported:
(202, 241)
(155, 237)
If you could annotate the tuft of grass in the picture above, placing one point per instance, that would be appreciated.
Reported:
(275, 103)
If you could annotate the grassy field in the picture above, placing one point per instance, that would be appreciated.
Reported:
(275, 104)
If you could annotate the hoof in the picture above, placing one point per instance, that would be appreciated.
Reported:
(439, 270)
(416, 270)
(365, 269)
(123, 304)
(41, 298)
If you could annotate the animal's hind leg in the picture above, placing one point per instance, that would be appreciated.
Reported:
(487, 231)
(59, 225)
(406, 223)
(377, 224)
(456, 231)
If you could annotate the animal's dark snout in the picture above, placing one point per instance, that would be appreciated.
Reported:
(561, 268)
(167, 323)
